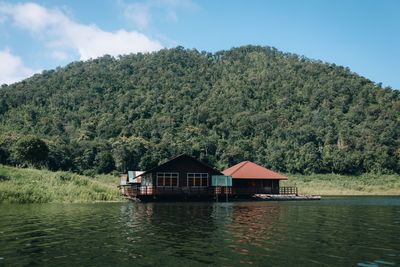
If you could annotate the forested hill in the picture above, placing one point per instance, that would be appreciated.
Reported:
(253, 103)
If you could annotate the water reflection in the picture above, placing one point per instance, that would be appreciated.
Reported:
(335, 232)
(253, 225)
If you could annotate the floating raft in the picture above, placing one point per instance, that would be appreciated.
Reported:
(284, 197)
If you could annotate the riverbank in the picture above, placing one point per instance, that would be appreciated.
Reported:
(42, 186)
(346, 185)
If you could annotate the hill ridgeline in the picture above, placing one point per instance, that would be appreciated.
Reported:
(280, 110)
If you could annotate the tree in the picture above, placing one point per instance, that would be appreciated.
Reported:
(4, 155)
(104, 162)
(32, 151)
(59, 157)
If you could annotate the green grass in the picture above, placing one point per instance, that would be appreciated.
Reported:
(42, 186)
(335, 184)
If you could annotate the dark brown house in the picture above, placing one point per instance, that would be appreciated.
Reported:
(249, 178)
(182, 177)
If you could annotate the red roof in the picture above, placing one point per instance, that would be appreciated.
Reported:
(250, 170)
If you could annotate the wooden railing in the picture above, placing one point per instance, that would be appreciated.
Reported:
(288, 190)
(222, 190)
(129, 190)
(152, 190)
(146, 190)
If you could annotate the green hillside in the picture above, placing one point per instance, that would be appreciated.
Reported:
(283, 111)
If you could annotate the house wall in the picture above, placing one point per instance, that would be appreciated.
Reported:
(184, 166)
(255, 186)
(256, 183)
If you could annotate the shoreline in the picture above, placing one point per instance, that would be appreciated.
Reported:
(42, 186)
(368, 184)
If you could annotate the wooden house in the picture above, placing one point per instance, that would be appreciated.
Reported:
(249, 179)
(182, 177)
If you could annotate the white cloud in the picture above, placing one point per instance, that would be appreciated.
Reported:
(138, 13)
(29, 15)
(12, 69)
(59, 55)
(62, 35)
(141, 13)
(92, 42)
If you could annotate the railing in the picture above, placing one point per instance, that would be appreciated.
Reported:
(146, 190)
(222, 190)
(288, 190)
(152, 190)
(129, 190)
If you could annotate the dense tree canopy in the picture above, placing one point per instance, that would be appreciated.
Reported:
(253, 103)
(31, 151)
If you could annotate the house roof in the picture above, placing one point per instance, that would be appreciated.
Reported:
(250, 170)
(181, 156)
(135, 176)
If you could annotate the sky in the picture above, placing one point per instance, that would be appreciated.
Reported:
(363, 35)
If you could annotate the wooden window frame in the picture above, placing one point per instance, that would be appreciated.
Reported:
(170, 177)
(193, 176)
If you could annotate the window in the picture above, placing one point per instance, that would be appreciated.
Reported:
(197, 179)
(167, 179)
(147, 180)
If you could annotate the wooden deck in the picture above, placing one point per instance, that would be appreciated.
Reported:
(205, 192)
(284, 197)
(152, 193)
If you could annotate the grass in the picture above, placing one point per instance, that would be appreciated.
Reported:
(42, 186)
(335, 184)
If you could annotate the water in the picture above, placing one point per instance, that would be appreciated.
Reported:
(357, 231)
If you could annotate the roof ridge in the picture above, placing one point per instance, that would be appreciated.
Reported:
(244, 163)
(176, 157)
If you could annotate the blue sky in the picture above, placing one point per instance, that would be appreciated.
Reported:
(363, 35)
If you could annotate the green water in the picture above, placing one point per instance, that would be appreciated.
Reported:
(357, 231)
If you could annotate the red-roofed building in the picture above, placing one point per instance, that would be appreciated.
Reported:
(249, 178)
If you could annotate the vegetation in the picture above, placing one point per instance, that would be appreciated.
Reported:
(42, 186)
(335, 184)
(283, 111)
(31, 150)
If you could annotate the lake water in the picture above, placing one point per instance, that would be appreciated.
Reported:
(356, 231)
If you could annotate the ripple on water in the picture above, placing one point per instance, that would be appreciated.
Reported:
(335, 232)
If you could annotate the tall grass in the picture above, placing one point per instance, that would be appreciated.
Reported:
(335, 184)
(42, 186)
